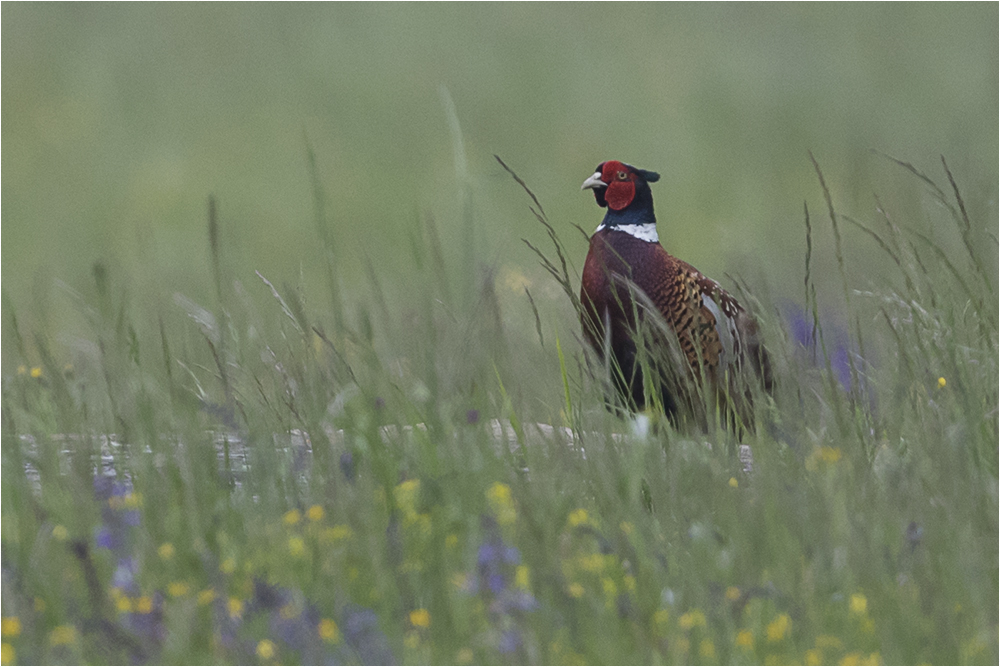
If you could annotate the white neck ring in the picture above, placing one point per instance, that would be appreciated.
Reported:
(644, 232)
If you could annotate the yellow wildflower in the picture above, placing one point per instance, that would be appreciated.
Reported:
(692, 619)
(829, 454)
(178, 589)
(289, 611)
(128, 501)
(732, 593)
(814, 657)
(266, 649)
(235, 606)
(498, 493)
(328, 631)
(942, 382)
(522, 577)
(406, 493)
(10, 626)
(778, 628)
(744, 639)
(422, 522)
(123, 604)
(296, 545)
(629, 583)
(421, 618)
(8, 656)
(336, 533)
(660, 617)
(60, 533)
(36, 372)
(460, 580)
(451, 541)
(206, 596)
(733, 482)
(515, 280)
(502, 503)
(575, 590)
(228, 566)
(411, 640)
(591, 562)
(858, 604)
(853, 658)
(578, 517)
(62, 635)
(315, 513)
(166, 551)
(143, 605)
(292, 517)
(706, 649)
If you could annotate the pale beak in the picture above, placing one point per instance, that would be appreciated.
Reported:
(594, 182)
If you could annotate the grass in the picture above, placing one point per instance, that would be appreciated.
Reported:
(123, 119)
(360, 481)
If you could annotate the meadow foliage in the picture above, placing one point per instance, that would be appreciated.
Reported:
(281, 486)
(282, 384)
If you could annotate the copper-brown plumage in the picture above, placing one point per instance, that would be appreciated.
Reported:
(628, 274)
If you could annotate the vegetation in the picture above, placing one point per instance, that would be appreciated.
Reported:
(386, 443)
(306, 497)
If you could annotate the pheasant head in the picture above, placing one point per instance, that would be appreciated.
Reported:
(624, 191)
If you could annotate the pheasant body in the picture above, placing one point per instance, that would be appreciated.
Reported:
(628, 276)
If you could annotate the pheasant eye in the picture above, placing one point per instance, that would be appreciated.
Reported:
(622, 176)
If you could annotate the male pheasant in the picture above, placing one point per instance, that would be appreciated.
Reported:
(628, 275)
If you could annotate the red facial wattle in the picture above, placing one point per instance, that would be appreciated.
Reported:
(621, 184)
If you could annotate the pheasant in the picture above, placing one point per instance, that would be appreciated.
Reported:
(707, 335)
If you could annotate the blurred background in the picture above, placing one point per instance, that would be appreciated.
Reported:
(120, 121)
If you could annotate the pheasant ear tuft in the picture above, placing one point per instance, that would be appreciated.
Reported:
(648, 176)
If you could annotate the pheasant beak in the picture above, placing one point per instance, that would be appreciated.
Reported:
(594, 182)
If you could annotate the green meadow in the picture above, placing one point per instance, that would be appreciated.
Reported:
(291, 370)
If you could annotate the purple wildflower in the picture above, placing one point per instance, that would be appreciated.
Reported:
(495, 582)
(104, 538)
(124, 576)
(496, 563)
(114, 533)
(805, 332)
(510, 641)
(364, 636)
(149, 627)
